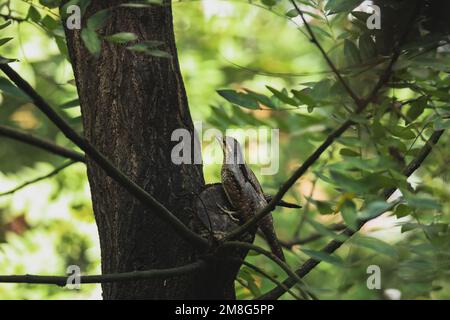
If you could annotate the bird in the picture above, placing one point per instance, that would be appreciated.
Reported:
(244, 192)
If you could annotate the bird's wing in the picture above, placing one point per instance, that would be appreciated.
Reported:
(250, 177)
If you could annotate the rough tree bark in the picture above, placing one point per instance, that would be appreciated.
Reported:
(130, 104)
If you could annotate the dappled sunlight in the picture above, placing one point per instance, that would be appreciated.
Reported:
(332, 116)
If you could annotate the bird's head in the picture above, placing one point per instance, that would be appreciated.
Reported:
(231, 148)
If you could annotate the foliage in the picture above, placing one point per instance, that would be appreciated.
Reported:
(250, 64)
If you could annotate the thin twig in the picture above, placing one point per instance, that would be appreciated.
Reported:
(314, 40)
(27, 183)
(311, 238)
(408, 120)
(283, 265)
(268, 276)
(38, 142)
(104, 278)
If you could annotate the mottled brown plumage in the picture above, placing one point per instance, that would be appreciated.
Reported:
(244, 191)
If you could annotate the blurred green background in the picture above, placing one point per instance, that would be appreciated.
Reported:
(222, 45)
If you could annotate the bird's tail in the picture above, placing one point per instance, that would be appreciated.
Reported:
(266, 226)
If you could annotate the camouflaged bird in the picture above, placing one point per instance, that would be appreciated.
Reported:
(245, 193)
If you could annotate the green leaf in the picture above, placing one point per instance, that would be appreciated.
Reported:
(33, 14)
(325, 257)
(410, 226)
(421, 202)
(71, 104)
(441, 124)
(356, 163)
(155, 2)
(282, 96)
(351, 53)
(292, 13)
(367, 47)
(336, 6)
(6, 87)
(4, 60)
(239, 99)
(139, 48)
(323, 177)
(327, 232)
(135, 5)
(323, 207)
(401, 132)
(320, 32)
(402, 210)
(158, 53)
(375, 245)
(375, 209)
(347, 182)
(361, 16)
(91, 41)
(345, 152)
(50, 23)
(247, 275)
(416, 109)
(377, 180)
(349, 214)
(303, 97)
(98, 19)
(269, 3)
(321, 91)
(62, 46)
(254, 289)
(350, 142)
(4, 25)
(50, 3)
(149, 47)
(5, 40)
(121, 37)
(264, 100)
(152, 43)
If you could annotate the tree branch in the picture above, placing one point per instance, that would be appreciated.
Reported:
(334, 245)
(147, 199)
(25, 184)
(311, 238)
(283, 265)
(268, 276)
(38, 142)
(113, 277)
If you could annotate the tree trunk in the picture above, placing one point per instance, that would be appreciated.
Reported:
(130, 104)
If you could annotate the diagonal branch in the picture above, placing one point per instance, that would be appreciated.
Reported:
(329, 140)
(283, 265)
(147, 199)
(113, 277)
(38, 142)
(270, 277)
(316, 236)
(334, 245)
(48, 175)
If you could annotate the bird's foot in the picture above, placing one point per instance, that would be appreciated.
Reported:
(229, 213)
